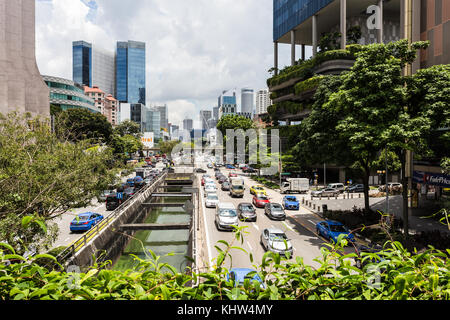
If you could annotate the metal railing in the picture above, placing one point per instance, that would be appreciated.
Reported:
(89, 235)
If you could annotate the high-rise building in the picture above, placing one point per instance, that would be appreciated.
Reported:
(130, 72)
(164, 115)
(205, 115)
(154, 122)
(262, 101)
(135, 112)
(82, 63)
(188, 124)
(247, 100)
(216, 113)
(21, 86)
(227, 104)
(103, 70)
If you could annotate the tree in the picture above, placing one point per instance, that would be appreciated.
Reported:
(125, 145)
(128, 127)
(234, 122)
(81, 124)
(42, 177)
(167, 146)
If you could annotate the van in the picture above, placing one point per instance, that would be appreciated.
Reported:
(338, 186)
(237, 187)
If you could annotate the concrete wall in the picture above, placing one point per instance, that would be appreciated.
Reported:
(21, 86)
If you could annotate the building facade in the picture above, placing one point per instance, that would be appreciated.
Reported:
(247, 100)
(262, 101)
(67, 94)
(205, 116)
(188, 124)
(21, 86)
(97, 95)
(111, 109)
(227, 104)
(130, 72)
(164, 111)
(82, 63)
(154, 122)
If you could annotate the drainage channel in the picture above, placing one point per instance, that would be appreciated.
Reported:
(160, 232)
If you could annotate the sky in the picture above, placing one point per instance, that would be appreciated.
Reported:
(195, 48)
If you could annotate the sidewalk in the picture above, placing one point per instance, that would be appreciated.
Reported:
(416, 222)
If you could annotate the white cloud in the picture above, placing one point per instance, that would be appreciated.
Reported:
(195, 48)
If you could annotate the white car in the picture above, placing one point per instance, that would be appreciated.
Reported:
(210, 188)
(276, 241)
(226, 216)
(212, 200)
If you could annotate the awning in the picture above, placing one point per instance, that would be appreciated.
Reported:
(435, 179)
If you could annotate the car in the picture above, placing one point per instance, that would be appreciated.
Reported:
(260, 200)
(208, 180)
(130, 182)
(229, 166)
(338, 186)
(226, 217)
(355, 188)
(275, 240)
(246, 212)
(105, 193)
(325, 192)
(257, 189)
(85, 221)
(392, 187)
(225, 186)
(367, 254)
(210, 188)
(210, 166)
(331, 230)
(222, 179)
(128, 193)
(248, 170)
(211, 200)
(239, 275)
(200, 170)
(232, 174)
(274, 211)
(291, 203)
(113, 202)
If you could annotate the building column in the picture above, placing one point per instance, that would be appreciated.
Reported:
(343, 23)
(314, 34)
(292, 47)
(303, 52)
(381, 17)
(275, 56)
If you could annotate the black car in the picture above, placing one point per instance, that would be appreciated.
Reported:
(355, 188)
(274, 211)
(249, 170)
(225, 186)
(112, 202)
(246, 212)
(200, 170)
(360, 261)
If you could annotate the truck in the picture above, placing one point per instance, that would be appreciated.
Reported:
(143, 172)
(237, 187)
(295, 185)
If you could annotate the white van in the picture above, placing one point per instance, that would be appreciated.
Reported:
(338, 186)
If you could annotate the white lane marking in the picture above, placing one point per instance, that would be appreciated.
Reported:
(206, 225)
(256, 226)
(312, 222)
(249, 246)
(288, 226)
(96, 208)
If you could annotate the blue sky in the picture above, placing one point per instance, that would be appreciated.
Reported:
(195, 48)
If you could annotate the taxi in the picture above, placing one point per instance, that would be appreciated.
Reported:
(258, 189)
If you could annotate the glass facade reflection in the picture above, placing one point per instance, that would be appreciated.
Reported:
(82, 63)
(130, 72)
(287, 14)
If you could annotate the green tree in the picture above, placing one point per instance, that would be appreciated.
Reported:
(125, 145)
(81, 124)
(42, 177)
(234, 122)
(167, 146)
(128, 127)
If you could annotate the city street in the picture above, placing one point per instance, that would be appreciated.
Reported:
(299, 226)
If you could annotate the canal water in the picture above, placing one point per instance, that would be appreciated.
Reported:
(170, 245)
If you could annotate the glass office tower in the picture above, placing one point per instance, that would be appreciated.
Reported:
(82, 63)
(130, 72)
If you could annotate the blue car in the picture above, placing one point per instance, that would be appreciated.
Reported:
(130, 182)
(229, 166)
(238, 275)
(290, 203)
(85, 221)
(331, 230)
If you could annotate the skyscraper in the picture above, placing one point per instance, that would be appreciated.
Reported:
(93, 66)
(164, 116)
(130, 72)
(82, 63)
(205, 115)
(247, 100)
(262, 101)
(188, 124)
(227, 104)
(22, 88)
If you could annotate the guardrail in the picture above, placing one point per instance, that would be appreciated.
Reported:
(84, 240)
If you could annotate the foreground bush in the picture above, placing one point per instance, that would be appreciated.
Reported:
(395, 274)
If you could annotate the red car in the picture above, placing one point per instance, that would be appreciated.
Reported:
(260, 200)
(232, 174)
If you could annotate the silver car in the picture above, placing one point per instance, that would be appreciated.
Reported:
(211, 200)
(325, 192)
(226, 216)
(275, 240)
